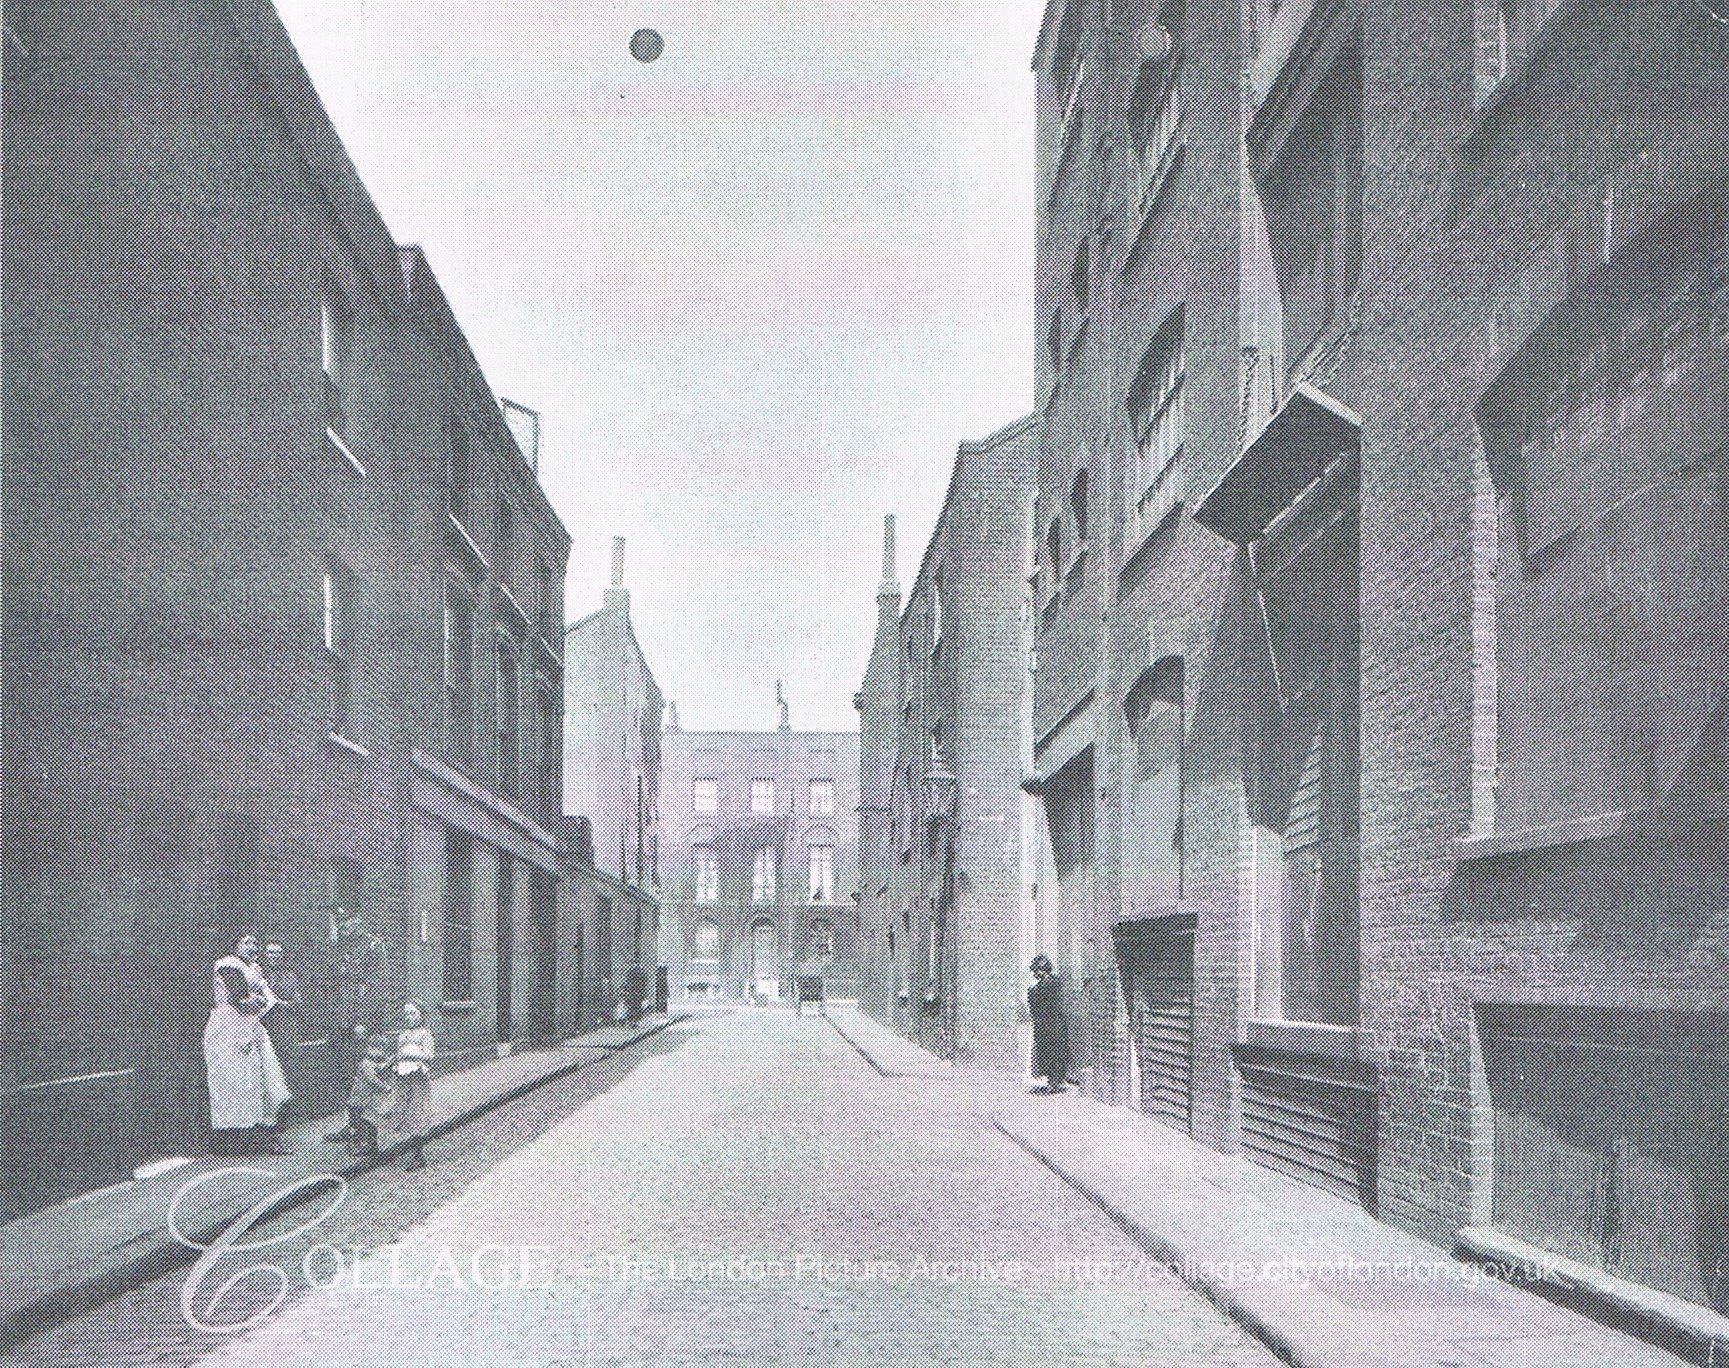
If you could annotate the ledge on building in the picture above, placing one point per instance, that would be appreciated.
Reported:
(348, 744)
(1293, 450)
(1692, 1332)
(1526, 840)
(1317, 1040)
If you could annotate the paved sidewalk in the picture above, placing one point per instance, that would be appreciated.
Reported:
(65, 1257)
(1315, 1278)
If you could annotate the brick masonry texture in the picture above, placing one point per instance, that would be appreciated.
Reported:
(185, 755)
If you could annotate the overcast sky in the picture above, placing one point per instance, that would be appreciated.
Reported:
(758, 289)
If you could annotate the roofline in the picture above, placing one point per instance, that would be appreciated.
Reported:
(1019, 428)
(269, 48)
(590, 619)
(1002, 434)
(1047, 30)
(429, 307)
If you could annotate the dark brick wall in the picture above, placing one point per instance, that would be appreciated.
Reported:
(172, 506)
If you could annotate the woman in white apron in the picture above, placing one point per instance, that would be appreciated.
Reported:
(247, 1086)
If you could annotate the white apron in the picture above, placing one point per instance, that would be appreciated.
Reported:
(247, 1085)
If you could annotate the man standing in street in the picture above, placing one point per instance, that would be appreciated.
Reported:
(359, 960)
(283, 1020)
(1050, 1027)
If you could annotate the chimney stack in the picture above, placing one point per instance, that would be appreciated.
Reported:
(617, 596)
(890, 585)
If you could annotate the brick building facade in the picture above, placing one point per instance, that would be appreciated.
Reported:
(1381, 357)
(946, 886)
(612, 764)
(282, 598)
(761, 859)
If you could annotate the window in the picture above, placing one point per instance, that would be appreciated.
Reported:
(937, 613)
(1054, 547)
(1313, 201)
(1153, 847)
(458, 471)
(507, 699)
(458, 940)
(762, 876)
(1156, 417)
(705, 795)
(822, 797)
(705, 874)
(822, 873)
(548, 601)
(1155, 110)
(336, 353)
(458, 670)
(705, 941)
(762, 797)
(1080, 277)
(345, 892)
(1077, 74)
(339, 594)
(504, 536)
(1078, 504)
(551, 743)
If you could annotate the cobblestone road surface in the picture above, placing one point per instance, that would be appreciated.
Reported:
(748, 1191)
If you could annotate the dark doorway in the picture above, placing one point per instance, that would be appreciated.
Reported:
(543, 953)
(506, 945)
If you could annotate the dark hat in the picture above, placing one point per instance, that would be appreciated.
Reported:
(1041, 962)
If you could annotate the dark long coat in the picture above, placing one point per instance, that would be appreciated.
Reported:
(1050, 1029)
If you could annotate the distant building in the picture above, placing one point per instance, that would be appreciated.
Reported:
(281, 598)
(948, 881)
(761, 832)
(612, 774)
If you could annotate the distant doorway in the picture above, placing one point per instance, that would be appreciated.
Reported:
(764, 959)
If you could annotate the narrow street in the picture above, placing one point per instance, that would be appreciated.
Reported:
(747, 1189)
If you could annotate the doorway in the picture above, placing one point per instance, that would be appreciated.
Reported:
(764, 959)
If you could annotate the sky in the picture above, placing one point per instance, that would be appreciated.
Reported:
(758, 289)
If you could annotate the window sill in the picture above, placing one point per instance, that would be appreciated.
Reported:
(1530, 840)
(349, 745)
(330, 436)
(457, 1008)
(466, 541)
(515, 607)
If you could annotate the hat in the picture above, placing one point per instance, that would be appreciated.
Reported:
(1040, 962)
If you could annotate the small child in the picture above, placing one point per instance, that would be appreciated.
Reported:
(369, 1097)
(413, 1076)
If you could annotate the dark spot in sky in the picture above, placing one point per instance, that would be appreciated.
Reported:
(646, 45)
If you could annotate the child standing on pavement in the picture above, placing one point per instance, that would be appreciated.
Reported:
(369, 1097)
(413, 1077)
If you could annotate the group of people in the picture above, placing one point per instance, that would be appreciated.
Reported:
(256, 1014)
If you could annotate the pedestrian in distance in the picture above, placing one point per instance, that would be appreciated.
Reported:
(371, 1097)
(246, 1083)
(1050, 1027)
(636, 992)
(412, 1078)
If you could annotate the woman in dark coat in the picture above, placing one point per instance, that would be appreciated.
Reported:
(1050, 1027)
